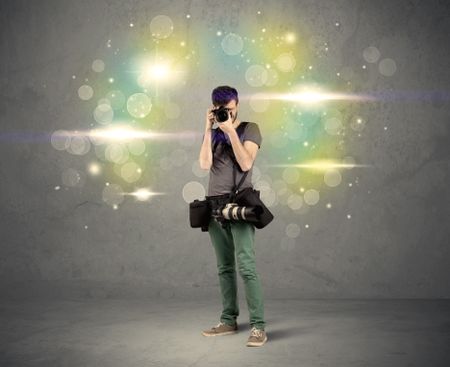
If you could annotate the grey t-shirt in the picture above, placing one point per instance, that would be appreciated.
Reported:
(221, 173)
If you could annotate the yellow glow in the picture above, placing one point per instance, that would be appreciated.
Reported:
(157, 72)
(321, 165)
(310, 96)
(94, 168)
(160, 68)
(290, 37)
(124, 133)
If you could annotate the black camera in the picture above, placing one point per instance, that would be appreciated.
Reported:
(234, 212)
(221, 114)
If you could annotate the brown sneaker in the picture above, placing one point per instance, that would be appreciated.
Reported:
(257, 337)
(221, 329)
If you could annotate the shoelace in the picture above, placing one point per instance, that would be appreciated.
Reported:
(219, 324)
(256, 332)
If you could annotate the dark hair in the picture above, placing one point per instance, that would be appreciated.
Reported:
(223, 94)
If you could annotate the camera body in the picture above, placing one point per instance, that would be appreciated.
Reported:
(221, 114)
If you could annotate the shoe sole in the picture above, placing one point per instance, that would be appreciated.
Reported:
(219, 334)
(256, 344)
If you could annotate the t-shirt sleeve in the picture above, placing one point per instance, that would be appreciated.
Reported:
(253, 133)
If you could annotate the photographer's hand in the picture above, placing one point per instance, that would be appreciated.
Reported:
(227, 126)
(209, 119)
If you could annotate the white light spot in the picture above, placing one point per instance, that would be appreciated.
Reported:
(85, 92)
(193, 190)
(332, 177)
(292, 230)
(387, 67)
(371, 54)
(161, 26)
(232, 44)
(98, 66)
(311, 197)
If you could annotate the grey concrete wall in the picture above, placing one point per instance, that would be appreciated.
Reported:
(396, 243)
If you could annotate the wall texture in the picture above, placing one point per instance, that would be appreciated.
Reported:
(70, 242)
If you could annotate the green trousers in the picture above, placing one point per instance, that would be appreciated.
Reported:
(237, 238)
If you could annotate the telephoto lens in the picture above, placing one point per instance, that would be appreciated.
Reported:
(221, 114)
(232, 211)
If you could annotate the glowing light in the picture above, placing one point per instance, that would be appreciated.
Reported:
(124, 133)
(310, 96)
(94, 168)
(159, 69)
(321, 165)
(143, 194)
(121, 134)
(290, 38)
(157, 72)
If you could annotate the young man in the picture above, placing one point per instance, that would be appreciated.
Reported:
(232, 237)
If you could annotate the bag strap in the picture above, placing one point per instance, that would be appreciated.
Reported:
(229, 149)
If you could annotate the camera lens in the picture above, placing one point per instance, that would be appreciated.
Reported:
(221, 114)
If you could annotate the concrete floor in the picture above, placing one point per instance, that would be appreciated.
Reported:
(114, 332)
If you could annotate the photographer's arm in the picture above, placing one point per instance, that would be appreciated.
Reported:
(205, 158)
(245, 154)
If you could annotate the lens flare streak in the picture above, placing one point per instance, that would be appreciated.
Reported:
(321, 165)
(311, 97)
(124, 134)
(143, 194)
